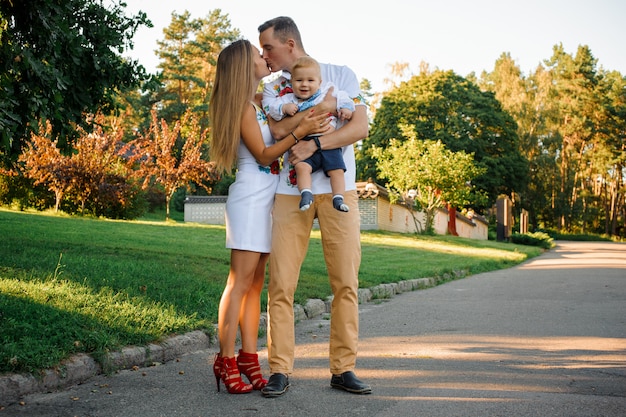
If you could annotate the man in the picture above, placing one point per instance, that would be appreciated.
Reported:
(282, 46)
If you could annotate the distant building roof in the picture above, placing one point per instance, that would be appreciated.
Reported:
(370, 189)
(205, 199)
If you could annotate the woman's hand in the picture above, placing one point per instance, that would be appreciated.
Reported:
(313, 124)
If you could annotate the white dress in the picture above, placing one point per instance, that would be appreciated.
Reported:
(251, 197)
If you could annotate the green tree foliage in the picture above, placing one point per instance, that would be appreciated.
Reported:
(442, 106)
(133, 106)
(571, 123)
(518, 98)
(368, 96)
(609, 165)
(574, 102)
(522, 98)
(437, 176)
(60, 59)
(188, 56)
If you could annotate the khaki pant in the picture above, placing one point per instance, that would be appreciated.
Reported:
(342, 252)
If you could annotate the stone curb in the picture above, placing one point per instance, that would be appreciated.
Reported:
(79, 368)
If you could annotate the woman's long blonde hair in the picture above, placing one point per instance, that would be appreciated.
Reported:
(233, 89)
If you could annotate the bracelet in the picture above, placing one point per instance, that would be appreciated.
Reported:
(316, 139)
(294, 136)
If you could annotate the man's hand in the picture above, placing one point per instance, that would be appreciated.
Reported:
(301, 151)
(329, 104)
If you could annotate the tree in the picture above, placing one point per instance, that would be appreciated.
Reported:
(571, 123)
(188, 56)
(93, 176)
(44, 163)
(161, 162)
(96, 167)
(575, 104)
(400, 71)
(368, 96)
(514, 92)
(61, 59)
(443, 106)
(524, 98)
(610, 168)
(437, 176)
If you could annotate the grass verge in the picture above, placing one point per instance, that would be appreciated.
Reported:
(71, 284)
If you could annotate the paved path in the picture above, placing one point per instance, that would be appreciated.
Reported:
(545, 338)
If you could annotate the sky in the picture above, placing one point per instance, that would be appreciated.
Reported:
(460, 35)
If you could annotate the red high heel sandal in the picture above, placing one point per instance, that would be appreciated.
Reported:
(226, 370)
(248, 364)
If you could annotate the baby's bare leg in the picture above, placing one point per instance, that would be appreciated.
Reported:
(303, 176)
(337, 181)
(338, 186)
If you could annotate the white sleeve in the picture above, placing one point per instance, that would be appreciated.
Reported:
(344, 101)
(275, 105)
(345, 80)
(273, 92)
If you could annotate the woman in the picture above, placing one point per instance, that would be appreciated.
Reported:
(240, 133)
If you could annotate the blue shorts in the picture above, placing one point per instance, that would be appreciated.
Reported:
(327, 160)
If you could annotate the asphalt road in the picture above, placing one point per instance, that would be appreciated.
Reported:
(545, 338)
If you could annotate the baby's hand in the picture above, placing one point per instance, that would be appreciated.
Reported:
(290, 109)
(344, 114)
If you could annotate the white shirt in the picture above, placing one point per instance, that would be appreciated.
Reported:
(344, 79)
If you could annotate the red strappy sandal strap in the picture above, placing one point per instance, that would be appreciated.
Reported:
(232, 378)
(248, 364)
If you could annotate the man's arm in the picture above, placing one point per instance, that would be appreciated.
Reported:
(356, 129)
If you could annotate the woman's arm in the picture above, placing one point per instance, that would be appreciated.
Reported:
(265, 155)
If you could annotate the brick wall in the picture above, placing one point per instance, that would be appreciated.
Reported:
(368, 209)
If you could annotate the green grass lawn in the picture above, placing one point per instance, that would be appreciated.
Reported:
(72, 284)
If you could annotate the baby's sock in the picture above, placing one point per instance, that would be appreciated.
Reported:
(306, 199)
(339, 204)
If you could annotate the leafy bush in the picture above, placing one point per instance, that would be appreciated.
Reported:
(21, 192)
(221, 186)
(580, 237)
(178, 200)
(540, 239)
(118, 198)
(155, 196)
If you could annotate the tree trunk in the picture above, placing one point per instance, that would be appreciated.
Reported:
(58, 197)
(430, 217)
